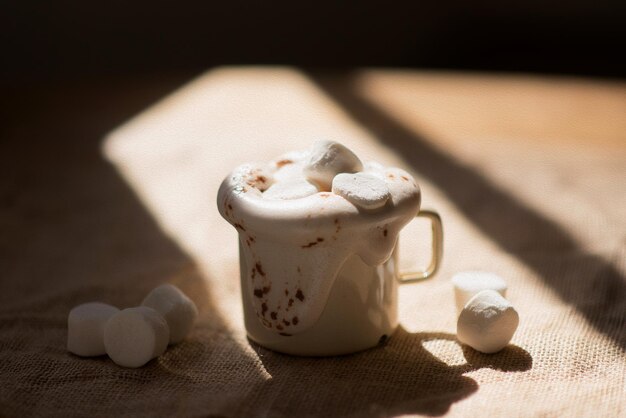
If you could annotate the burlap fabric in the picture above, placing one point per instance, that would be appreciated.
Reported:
(528, 174)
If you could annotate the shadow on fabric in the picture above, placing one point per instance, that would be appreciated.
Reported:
(399, 377)
(74, 233)
(576, 275)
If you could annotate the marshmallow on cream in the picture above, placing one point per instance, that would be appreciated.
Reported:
(363, 190)
(327, 159)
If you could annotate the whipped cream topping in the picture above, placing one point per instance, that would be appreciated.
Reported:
(294, 246)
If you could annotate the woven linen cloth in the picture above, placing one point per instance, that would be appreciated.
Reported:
(108, 189)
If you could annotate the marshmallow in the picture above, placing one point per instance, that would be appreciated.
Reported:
(135, 336)
(290, 189)
(487, 322)
(469, 283)
(361, 189)
(178, 310)
(85, 328)
(328, 159)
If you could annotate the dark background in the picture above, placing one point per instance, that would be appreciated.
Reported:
(69, 39)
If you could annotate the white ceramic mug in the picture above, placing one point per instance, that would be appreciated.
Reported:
(361, 311)
(319, 275)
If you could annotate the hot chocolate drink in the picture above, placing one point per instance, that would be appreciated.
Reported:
(303, 219)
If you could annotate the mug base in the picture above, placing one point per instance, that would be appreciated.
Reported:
(317, 351)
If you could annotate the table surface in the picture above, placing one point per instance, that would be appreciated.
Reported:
(108, 189)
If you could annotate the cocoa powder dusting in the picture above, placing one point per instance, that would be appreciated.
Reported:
(312, 243)
(295, 320)
(300, 295)
(258, 293)
(273, 315)
(259, 268)
(281, 163)
(263, 308)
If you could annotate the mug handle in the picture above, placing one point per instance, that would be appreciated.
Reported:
(437, 249)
